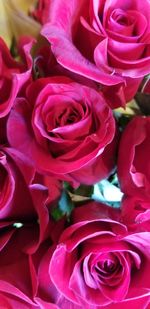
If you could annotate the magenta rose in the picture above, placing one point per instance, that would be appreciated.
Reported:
(22, 198)
(16, 175)
(9, 302)
(26, 198)
(42, 11)
(106, 41)
(13, 74)
(18, 281)
(45, 293)
(99, 263)
(19, 186)
(66, 129)
(25, 226)
(133, 166)
(135, 213)
(26, 229)
(19, 238)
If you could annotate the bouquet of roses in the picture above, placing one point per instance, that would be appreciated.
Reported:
(74, 154)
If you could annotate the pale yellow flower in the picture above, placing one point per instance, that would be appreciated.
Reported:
(5, 32)
(130, 110)
(15, 21)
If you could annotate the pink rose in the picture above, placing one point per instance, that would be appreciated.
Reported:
(17, 242)
(8, 301)
(15, 279)
(25, 226)
(26, 196)
(46, 65)
(45, 293)
(106, 41)
(19, 188)
(135, 213)
(18, 281)
(13, 74)
(66, 129)
(42, 11)
(133, 166)
(16, 175)
(99, 263)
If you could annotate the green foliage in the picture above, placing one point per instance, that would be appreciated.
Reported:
(13, 48)
(106, 191)
(64, 208)
(82, 190)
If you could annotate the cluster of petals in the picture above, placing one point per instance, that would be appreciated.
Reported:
(58, 131)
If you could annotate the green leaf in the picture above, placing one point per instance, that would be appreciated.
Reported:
(64, 207)
(13, 48)
(56, 214)
(82, 190)
(65, 203)
(67, 186)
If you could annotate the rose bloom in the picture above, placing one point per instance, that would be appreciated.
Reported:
(66, 129)
(9, 301)
(18, 280)
(45, 293)
(106, 41)
(16, 176)
(13, 74)
(42, 11)
(134, 167)
(25, 226)
(135, 213)
(18, 184)
(99, 263)
(22, 200)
